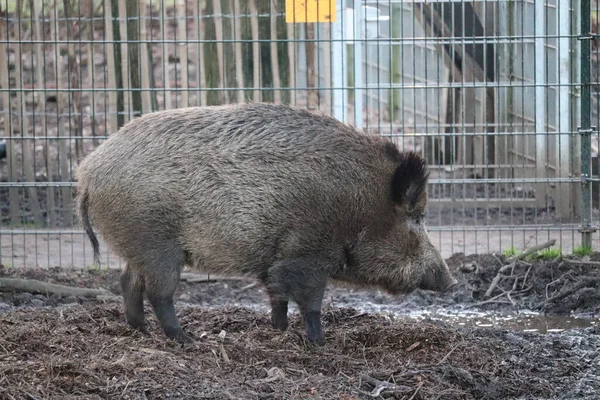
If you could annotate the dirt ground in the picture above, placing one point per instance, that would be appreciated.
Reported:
(76, 347)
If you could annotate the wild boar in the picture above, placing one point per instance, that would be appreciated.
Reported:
(290, 197)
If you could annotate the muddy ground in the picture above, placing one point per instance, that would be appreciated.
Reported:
(59, 347)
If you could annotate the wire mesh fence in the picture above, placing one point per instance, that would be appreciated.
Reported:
(500, 96)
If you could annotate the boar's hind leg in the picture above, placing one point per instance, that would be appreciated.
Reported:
(279, 303)
(304, 280)
(132, 286)
(279, 310)
(161, 280)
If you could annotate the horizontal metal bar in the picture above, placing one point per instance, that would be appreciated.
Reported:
(32, 138)
(460, 167)
(388, 135)
(422, 41)
(446, 203)
(83, 18)
(431, 181)
(465, 85)
(37, 184)
(462, 125)
(503, 180)
(430, 228)
(40, 114)
(373, 86)
(32, 232)
(459, 40)
(380, 2)
(506, 228)
(447, 168)
(468, 134)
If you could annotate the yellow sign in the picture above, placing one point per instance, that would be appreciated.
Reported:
(309, 11)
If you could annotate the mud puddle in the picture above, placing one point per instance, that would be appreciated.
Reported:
(520, 322)
(460, 316)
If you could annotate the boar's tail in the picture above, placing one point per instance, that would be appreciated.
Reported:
(85, 220)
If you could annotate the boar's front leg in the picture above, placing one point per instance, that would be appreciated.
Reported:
(304, 281)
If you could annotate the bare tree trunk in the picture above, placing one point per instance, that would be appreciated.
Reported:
(274, 54)
(126, 80)
(239, 67)
(63, 151)
(291, 46)
(112, 110)
(218, 18)
(132, 12)
(183, 50)
(87, 10)
(255, 50)
(27, 145)
(146, 63)
(165, 57)
(73, 74)
(313, 96)
(13, 192)
(201, 78)
(38, 13)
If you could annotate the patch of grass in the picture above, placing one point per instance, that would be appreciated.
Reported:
(6, 265)
(582, 251)
(94, 269)
(510, 252)
(547, 254)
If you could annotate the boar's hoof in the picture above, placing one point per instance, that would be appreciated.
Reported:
(279, 320)
(178, 336)
(141, 328)
(280, 324)
(317, 339)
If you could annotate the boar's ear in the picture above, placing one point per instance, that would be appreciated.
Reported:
(409, 182)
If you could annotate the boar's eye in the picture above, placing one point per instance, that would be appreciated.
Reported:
(420, 218)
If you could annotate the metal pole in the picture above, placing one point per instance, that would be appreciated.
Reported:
(564, 206)
(339, 64)
(359, 35)
(540, 101)
(586, 129)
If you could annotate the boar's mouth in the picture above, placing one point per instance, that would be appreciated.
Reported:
(449, 286)
(397, 290)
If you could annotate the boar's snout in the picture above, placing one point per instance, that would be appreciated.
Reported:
(449, 285)
(438, 278)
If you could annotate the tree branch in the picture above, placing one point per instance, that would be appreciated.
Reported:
(35, 286)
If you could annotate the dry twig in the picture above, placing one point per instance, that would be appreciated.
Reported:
(587, 282)
(383, 386)
(581, 262)
(449, 353)
(416, 391)
(533, 250)
(512, 263)
(203, 278)
(35, 286)
(492, 300)
(497, 278)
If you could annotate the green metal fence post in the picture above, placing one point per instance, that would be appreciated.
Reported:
(586, 129)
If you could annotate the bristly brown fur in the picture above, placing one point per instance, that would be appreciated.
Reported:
(272, 191)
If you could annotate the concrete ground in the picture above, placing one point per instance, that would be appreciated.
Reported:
(73, 250)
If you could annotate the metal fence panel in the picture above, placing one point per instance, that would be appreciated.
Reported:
(500, 96)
